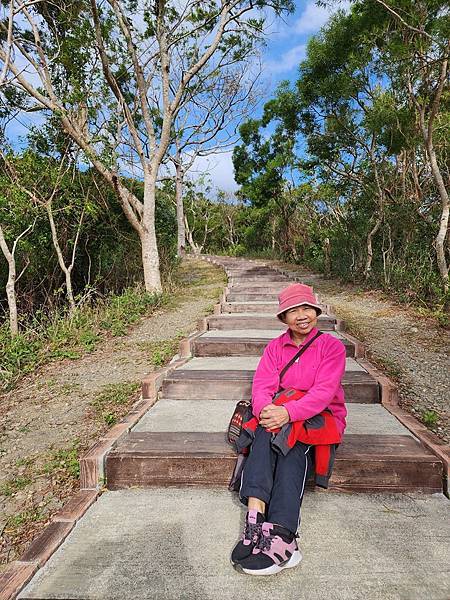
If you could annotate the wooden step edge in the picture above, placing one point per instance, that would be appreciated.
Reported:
(152, 460)
(229, 316)
(221, 346)
(15, 577)
(373, 447)
(92, 471)
(243, 375)
(390, 401)
(360, 351)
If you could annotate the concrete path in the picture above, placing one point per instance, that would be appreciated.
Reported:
(168, 544)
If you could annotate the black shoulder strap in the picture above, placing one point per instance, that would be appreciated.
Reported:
(298, 354)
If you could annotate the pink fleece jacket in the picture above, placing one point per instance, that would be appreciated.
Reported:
(319, 372)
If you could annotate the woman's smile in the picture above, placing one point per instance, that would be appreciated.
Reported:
(300, 320)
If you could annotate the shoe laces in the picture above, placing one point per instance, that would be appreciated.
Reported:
(252, 531)
(265, 541)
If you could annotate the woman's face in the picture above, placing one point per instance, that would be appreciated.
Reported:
(301, 320)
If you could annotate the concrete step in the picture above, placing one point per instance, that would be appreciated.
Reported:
(218, 378)
(175, 544)
(266, 287)
(245, 278)
(246, 307)
(254, 320)
(364, 463)
(244, 342)
(214, 415)
(260, 272)
(252, 297)
(254, 306)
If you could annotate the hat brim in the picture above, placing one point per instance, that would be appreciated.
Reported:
(279, 313)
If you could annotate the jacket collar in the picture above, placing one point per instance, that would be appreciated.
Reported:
(286, 339)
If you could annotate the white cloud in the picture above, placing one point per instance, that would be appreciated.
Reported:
(287, 61)
(219, 167)
(314, 17)
(311, 19)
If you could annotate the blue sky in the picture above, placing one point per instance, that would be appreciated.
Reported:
(286, 48)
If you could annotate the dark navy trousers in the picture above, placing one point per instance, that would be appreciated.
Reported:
(277, 480)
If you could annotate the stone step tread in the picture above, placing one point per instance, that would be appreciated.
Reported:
(241, 363)
(244, 315)
(258, 321)
(214, 415)
(235, 342)
(252, 334)
(245, 278)
(251, 302)
(271, 287)
(257, 284)
(241, 375)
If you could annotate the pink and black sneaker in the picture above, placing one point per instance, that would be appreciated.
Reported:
(276, 550)
(249, 538)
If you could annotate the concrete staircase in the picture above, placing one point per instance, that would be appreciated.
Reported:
(181, 441)
(165, 529)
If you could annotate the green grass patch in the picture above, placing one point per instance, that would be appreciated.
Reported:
(31, 515)
(57, 336)
(11, 486)
(67, 389)
(64, 463)
(430, 418)
(389, 367)
(161, 352)
(112, 401)
(25, 462)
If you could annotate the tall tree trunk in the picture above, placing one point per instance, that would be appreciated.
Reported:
(181, 230)
(327, 255)
(445, 210)
(370, 235)
(150, 254)
(66, 270)
(426, 128)
(195, 248)
(10, 286)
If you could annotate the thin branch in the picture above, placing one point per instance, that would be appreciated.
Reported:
(402, 20)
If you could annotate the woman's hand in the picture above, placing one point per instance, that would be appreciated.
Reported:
(272, 416)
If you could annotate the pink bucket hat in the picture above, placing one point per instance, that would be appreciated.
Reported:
(297, 294)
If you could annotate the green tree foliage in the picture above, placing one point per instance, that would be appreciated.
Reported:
(363, 135)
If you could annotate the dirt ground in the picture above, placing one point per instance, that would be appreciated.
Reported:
(56, 413)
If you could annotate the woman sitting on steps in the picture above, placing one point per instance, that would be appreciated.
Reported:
(275, 472)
